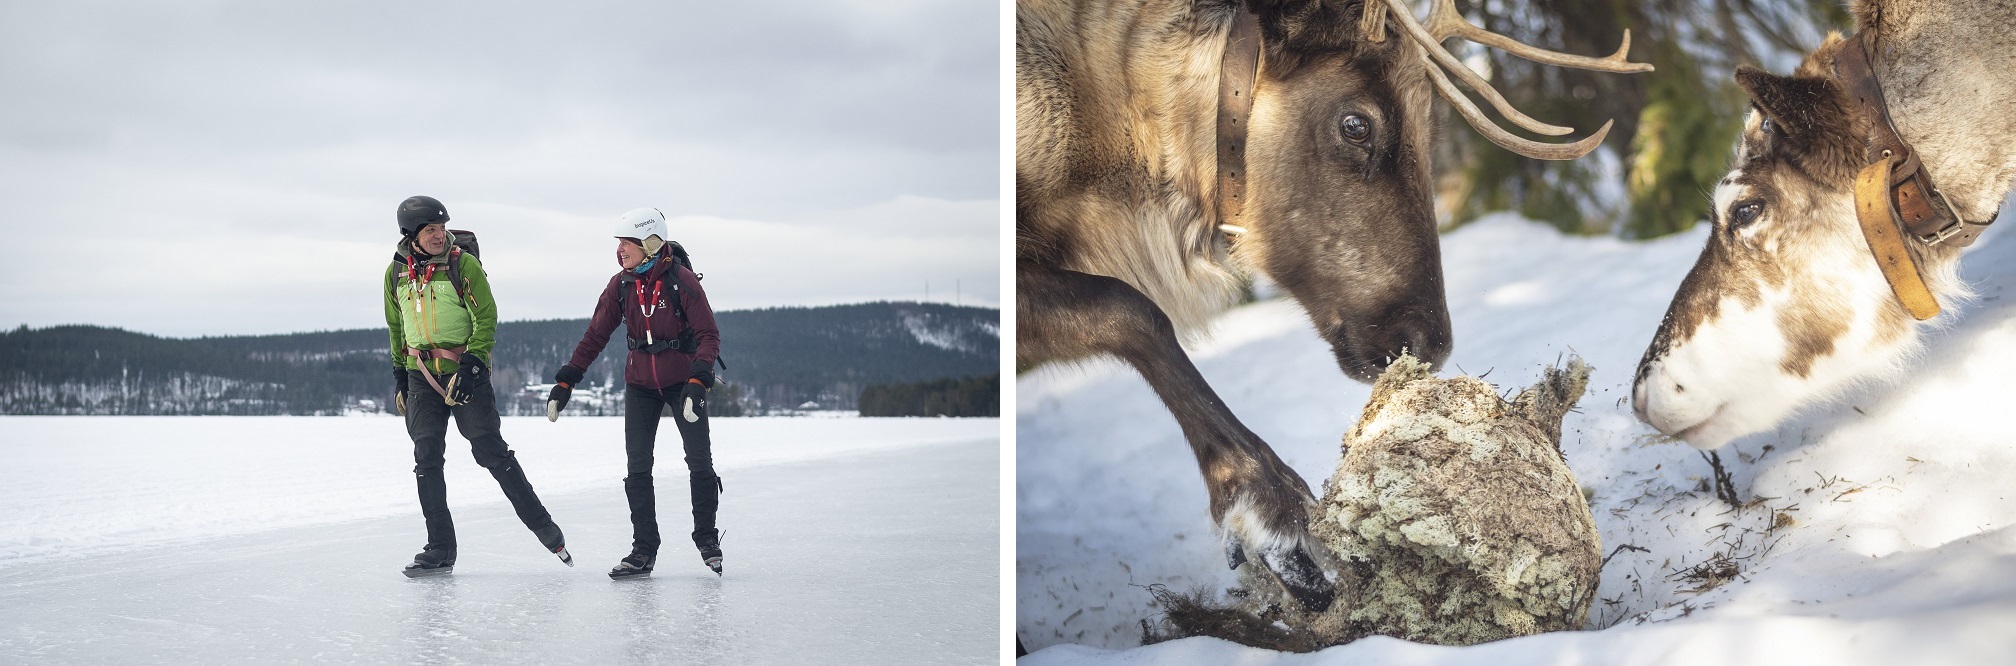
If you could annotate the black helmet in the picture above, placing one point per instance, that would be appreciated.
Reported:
(417, 212)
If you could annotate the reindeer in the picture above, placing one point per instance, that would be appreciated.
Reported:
(1166, 147)
(1858, 179)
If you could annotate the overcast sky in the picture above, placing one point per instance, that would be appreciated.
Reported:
(206, 168)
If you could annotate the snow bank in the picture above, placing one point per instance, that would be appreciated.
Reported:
(1874, 530)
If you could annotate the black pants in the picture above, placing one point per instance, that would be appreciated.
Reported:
(427, 422)
(641, 409)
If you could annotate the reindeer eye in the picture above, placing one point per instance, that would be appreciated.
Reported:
(1766, 127)
(1745, 213)
(1356, 128)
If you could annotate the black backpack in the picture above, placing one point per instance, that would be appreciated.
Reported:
(678, 254)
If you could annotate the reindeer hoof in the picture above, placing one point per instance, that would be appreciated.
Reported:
(1294, 569)
(1299, 575)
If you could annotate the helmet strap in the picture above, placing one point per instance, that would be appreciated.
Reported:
(419, 249)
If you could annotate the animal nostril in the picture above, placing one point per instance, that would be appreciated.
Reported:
(1679, 389)
(1420, 341)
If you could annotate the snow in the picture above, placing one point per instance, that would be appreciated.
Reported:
(1880, 530)
(952, 334)
(256, 539)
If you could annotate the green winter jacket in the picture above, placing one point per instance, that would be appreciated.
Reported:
(442, 316)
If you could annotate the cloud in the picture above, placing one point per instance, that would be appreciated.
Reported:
(228, 167)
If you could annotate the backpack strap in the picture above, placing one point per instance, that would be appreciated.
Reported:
(679, 308)
(455, 275)
(678, 304)
(623, 295)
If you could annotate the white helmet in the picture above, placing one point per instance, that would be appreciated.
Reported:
(647, 226)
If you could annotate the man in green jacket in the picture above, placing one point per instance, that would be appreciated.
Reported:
(444, 323)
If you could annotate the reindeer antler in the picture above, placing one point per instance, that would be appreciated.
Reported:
(1444, 22)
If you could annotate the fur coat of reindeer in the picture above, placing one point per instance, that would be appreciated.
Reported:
(1166, 147)
(1789, 305)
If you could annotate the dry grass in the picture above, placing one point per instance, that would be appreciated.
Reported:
(1198, 614)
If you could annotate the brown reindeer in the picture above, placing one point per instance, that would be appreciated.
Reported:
(1137, 123)
(1857, 181)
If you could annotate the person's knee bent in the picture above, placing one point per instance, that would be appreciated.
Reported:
(495, 457)
(429, 452)
(639, 465)
(700, 466)
(705, 480)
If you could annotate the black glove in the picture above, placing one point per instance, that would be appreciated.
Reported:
(399, 389)
(693, 398)
(470, 372)
(563, 388)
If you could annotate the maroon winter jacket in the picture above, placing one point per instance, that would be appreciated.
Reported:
(619, 302)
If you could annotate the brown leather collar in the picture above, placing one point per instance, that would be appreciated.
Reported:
(1921, 208)
(1238, 69)
(1894, 194)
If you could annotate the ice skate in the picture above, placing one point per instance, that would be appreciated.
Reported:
(555, 542)
(710, 552)
(432, 562)
(637, 565)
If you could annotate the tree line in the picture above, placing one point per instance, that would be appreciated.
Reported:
(961, 396)
(777, 359)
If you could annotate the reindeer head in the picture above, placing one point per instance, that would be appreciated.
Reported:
(1786, 307)
(1339, 206)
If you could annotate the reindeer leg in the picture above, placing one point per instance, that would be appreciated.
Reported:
(1261, 504)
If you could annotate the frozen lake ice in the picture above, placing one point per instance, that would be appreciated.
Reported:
(134, 539)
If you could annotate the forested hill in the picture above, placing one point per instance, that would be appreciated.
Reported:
(777, 359)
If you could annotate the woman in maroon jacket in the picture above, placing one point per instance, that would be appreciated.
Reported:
(673, 346)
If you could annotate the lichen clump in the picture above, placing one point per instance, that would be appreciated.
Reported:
(1453, 517)
(1458, 513)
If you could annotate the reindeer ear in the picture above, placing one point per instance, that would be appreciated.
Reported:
(1814, 124)
(1266, 7)
(1800, 106)
(1310, 26)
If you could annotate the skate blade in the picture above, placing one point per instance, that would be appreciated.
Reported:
(715, 564)
(428, 573)
(564, 556)
(628, 575)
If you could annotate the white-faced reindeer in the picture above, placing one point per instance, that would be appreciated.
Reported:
(1165, 146)
(1857, 181)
